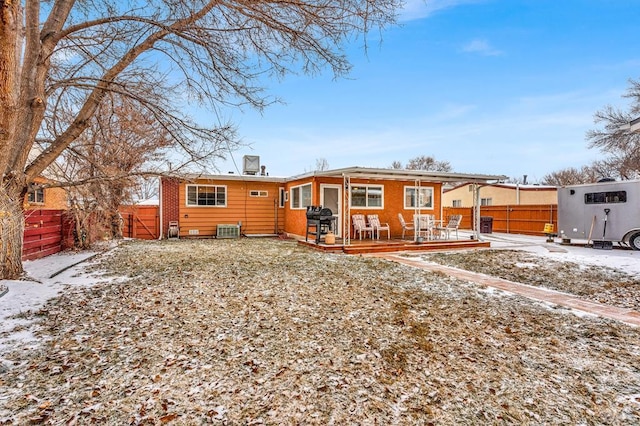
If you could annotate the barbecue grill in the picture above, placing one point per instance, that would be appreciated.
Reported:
(319, 222)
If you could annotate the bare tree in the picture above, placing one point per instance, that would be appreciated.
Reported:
(101, 168)
(426, 162)
(573, 176)
(321, 164)
(423, 162)
(146, 188)
(60, 58)
(620, 146)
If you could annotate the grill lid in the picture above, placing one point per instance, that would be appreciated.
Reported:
(317, 212)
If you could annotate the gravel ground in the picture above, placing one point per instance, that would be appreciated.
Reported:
(257, 331)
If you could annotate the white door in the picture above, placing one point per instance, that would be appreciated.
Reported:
(330, 197)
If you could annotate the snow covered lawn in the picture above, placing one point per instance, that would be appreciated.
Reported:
(262, 331)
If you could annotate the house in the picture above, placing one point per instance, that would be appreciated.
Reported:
(258, 204)
(499, 194)
(43, 198)
(199, 203)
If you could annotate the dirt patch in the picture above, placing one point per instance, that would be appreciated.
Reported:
(267, 332)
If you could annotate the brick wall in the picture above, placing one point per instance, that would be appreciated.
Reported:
(170, 202)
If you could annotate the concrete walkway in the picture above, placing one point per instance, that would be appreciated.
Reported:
(566, 300)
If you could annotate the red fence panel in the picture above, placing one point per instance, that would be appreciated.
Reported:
(528, 219)
(45, 232)
(141, 222)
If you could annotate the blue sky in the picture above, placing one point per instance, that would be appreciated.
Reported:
(492, 86)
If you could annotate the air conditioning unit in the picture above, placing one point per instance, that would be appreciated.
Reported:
(228, 231)
(250, 164)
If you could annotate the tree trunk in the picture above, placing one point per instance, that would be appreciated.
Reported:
(11, 235)
(116, 225)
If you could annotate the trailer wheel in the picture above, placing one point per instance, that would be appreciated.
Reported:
(634, 241)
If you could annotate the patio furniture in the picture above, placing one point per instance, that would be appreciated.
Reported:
(374, 221)
(452, 225)
(405, 226)
(360, 226)
(424, 225)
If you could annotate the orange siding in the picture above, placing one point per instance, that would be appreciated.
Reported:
(393, 202)
(54, 198)
(257, 214)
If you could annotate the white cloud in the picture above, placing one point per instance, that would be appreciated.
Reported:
(481, 47)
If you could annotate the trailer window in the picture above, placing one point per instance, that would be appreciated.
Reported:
(605, 197)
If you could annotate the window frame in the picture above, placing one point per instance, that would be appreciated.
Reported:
(487, 201)
(605, 197)
(431, 189)
(299, 190)
(258, 193)
(35, 192)
(196, 186)
(367, 187)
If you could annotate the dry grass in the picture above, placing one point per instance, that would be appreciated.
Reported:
(266, 332)
(599, 284)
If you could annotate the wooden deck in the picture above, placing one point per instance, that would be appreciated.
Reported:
(394, 245)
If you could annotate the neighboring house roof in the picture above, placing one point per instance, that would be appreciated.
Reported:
(509, 186)
(148, 202)
(632, 126)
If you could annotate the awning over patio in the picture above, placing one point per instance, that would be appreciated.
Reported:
(418, 176)
(398, 174)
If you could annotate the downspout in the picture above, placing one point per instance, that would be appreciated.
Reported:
(160, 207)
(275, 213)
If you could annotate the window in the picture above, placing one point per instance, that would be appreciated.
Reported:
(605, 197)
(456, 203)
(367, 196)
(207, 195)
(283, 196)
(301, 196)
(485, 201)
(425, 197)
(256, 193)
(36, 195)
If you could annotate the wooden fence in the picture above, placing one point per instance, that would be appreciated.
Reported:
(510, 219)
(46, 232)
(141, 222)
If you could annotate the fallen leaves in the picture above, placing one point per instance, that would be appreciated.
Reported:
(266, 332)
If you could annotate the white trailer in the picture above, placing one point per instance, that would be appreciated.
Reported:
(603, 212)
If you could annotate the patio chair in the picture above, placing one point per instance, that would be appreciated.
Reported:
(405, 226)
(360, 226)
(424, 225)
(452, 225)
(374, 221)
